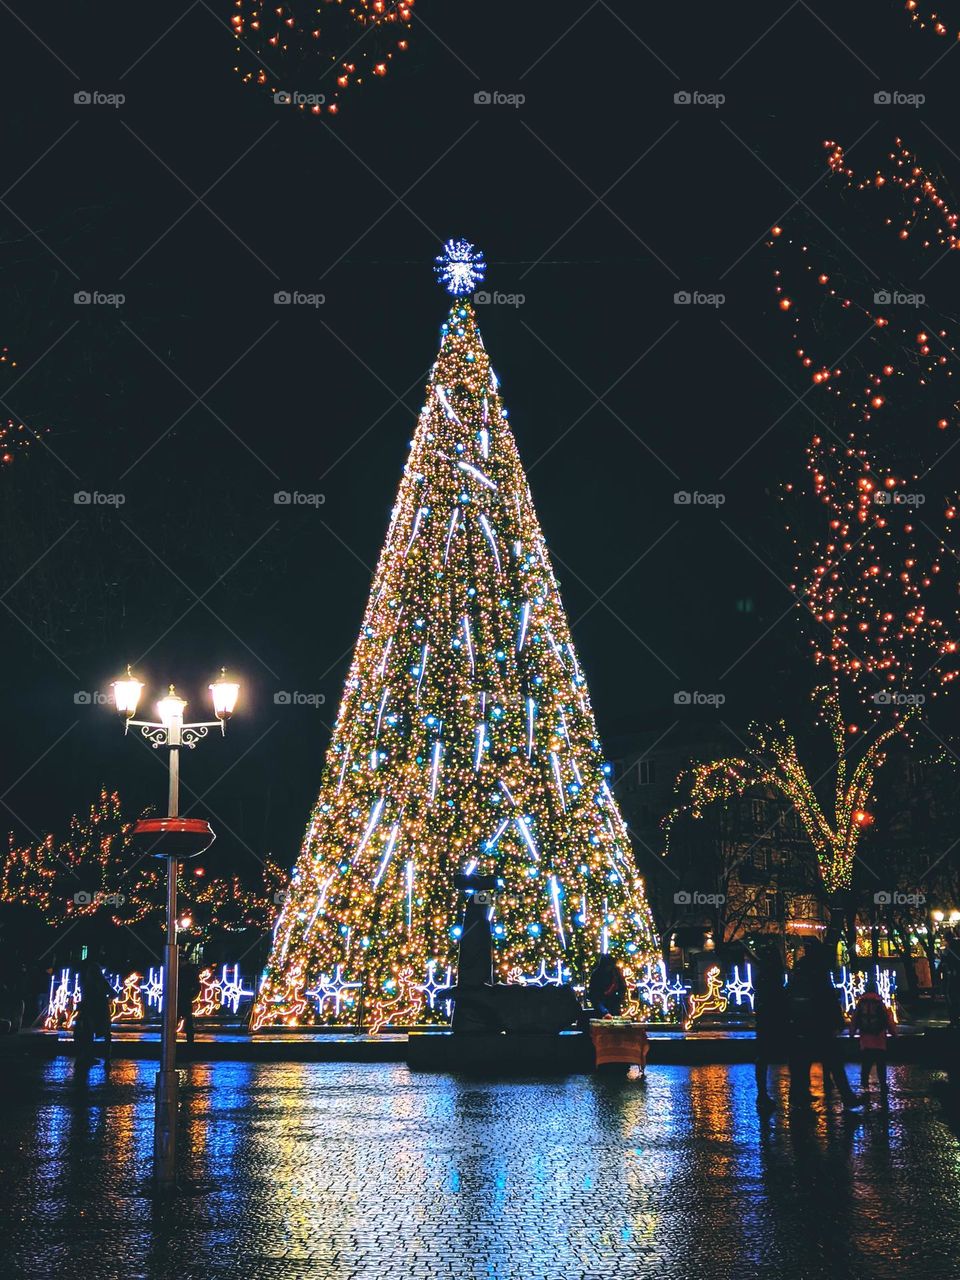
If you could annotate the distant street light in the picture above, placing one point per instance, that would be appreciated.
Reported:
(175, 839)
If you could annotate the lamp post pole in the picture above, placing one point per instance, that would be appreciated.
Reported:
(172, 838)
(167, 1082)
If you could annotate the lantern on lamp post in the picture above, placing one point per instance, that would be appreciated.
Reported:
(175, 839)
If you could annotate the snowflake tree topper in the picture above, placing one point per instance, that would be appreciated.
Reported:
(460, 268)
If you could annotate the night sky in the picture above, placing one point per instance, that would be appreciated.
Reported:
(597, 200)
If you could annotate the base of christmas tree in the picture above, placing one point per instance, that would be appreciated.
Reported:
(496, 1053)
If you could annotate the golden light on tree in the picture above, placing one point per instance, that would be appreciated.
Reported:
(465, 740)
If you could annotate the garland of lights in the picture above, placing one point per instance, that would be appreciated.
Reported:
(465, 741)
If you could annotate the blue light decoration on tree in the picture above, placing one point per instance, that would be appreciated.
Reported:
(465, 742)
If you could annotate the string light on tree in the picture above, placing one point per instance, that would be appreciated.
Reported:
(772, 760)
(870, 555)
(465, 738)
(896, 373)
(322, 47)
(15, 437)
(930, 20)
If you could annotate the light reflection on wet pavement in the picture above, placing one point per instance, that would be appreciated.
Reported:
(366, 1170)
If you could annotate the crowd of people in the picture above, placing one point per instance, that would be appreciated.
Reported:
(798, 1021)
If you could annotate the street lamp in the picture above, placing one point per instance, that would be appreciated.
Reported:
(175, 839)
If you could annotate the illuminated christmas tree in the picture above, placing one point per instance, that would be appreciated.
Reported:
(465, 741)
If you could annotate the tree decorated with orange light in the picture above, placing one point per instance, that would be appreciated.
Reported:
(872, 525)
(308, 53)
(95, 872)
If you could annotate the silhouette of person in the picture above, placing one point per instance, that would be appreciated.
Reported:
(815, 1019)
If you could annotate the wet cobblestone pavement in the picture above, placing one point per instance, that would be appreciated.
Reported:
(346, 1170)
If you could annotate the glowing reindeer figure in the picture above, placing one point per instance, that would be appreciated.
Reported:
(128, 1005)
(712, 1001)
(292, 999)
(399, 1008)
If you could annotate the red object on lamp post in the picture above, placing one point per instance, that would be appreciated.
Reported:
(179, 838)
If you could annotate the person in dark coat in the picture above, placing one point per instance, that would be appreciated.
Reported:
(815, 1019)
(771, 1009)
(93, 1014)
(607, 988)
(188, 988)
